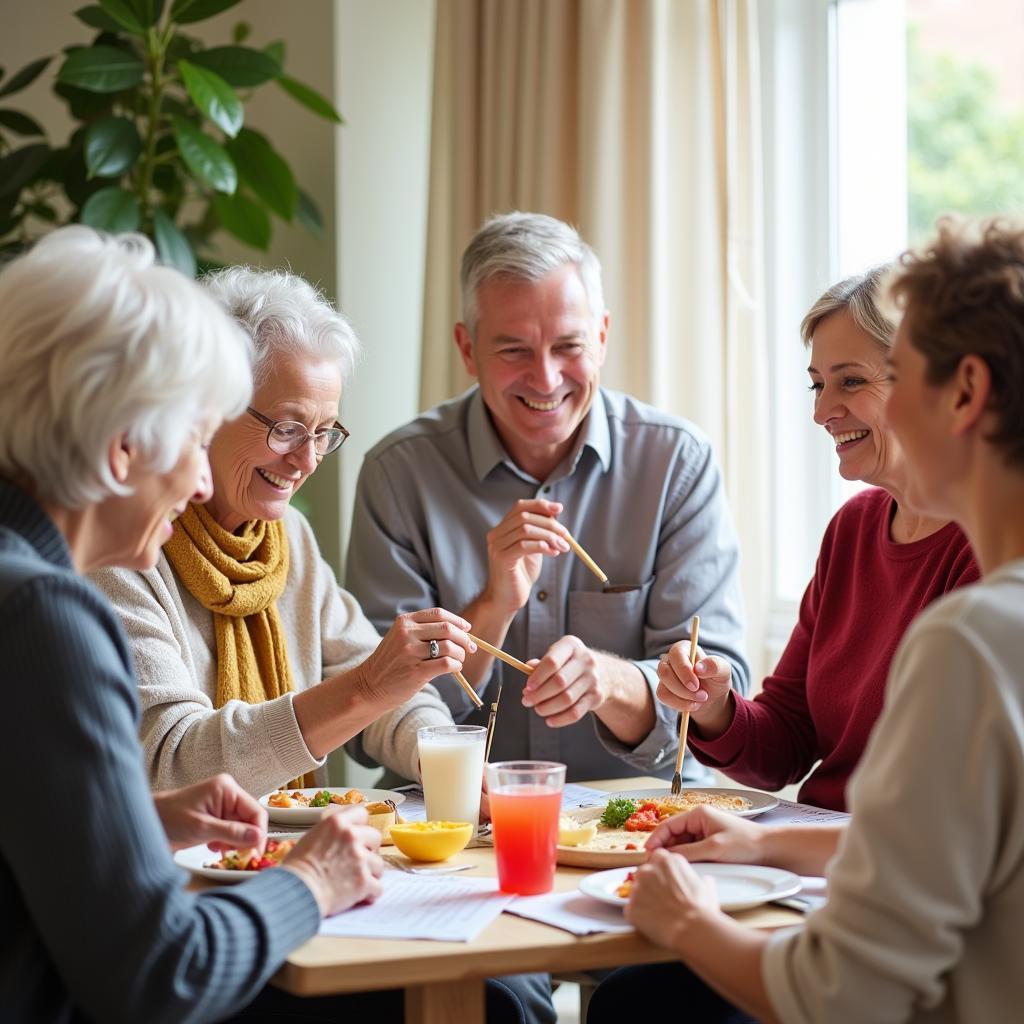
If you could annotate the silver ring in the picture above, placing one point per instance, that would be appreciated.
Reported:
(435, 649)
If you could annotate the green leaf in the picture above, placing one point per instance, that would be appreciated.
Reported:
(213, 96)
(308, 214)
(241, 32)
(205, 157)
(95, 17)
(238, 65)
(244, 218)
(101, 69)
(25, 77)
(21, 166)
(186, 11)
(265, 172)
(309, 98)
(83, 105)
(173, 245)
(111, 209)
(20, 124)
(111, 147)
(122, 12)
(275, 50)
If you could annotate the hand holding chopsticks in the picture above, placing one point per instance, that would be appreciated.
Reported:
(684, 718)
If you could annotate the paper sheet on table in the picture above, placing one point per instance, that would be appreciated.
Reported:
(789, 813)
(575, 795)
(423, 907)
(572, 912)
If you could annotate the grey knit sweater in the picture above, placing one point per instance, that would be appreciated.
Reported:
(93, 915)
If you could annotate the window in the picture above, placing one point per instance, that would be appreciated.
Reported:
(878, 116)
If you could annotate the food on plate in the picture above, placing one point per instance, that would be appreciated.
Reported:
(624, 823)
(431, 840)
(575, 833)
(382, 816)
(251, 859)
(323, 797)
(625, 887)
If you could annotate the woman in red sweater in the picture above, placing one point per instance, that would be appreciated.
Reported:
(880, 564)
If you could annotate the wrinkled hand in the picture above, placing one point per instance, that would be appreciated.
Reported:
(708, 834)
(339, 859)
(401, 665)
(565, 683)
(516, 548)
(216, 811)
(669, 899)
(703, 689)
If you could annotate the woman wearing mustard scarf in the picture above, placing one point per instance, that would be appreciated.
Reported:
(251, 658)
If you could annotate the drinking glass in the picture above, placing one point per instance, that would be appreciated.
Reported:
(525, 799)
(452, 769)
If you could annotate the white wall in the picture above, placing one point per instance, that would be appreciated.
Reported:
(384, 83)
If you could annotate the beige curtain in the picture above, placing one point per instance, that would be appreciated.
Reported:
(636, 120)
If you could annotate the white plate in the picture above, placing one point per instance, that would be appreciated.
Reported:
(759, 802)
(195, 859)
(311, 815)
(740, 886)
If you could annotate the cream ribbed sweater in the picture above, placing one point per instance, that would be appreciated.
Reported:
(172, 638)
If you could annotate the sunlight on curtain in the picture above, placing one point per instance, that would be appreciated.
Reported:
(638, 122)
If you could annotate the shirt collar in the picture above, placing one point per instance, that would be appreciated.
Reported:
(486, 450)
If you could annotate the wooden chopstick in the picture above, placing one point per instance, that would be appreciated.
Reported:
(498, 653)
(585, 558)
(490, 723)
(467, 686)
(684, 719)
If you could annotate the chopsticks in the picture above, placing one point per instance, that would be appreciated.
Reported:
(585, 558)
(684, 720)
(498, 653)
(465, 684)
(490, 723)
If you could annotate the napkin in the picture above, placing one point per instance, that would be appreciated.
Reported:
(572, 912)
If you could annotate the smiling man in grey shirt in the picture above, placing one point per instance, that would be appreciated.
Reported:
(467, 507)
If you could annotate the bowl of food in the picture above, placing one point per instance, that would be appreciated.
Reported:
(431, 840)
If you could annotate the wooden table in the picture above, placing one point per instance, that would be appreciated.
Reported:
(444, 981)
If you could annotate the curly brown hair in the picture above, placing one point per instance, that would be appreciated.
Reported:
(962, 293)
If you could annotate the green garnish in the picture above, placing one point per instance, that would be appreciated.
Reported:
(321, 799)
(617, 811)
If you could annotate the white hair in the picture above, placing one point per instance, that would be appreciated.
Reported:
(526, 247)
(282, 313)
(98, 340)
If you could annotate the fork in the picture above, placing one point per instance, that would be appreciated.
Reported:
(447, 869)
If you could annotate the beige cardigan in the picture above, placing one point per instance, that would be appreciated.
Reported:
(186, 739)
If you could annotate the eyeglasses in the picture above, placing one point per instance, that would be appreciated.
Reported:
(284, 436)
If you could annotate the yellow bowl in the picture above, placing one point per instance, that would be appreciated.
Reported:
(431, 840)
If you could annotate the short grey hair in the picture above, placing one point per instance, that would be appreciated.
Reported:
(98, 340)
(283, 313)
(526, 247)
(861, 295)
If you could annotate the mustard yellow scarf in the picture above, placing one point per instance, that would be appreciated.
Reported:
(238, 577)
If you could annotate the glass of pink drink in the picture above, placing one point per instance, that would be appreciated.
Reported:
(525, 799)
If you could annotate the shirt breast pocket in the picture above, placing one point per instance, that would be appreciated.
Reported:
(612, 622)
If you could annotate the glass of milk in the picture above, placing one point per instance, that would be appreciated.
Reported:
(452, 768)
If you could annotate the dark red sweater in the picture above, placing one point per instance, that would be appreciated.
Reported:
(826, 692)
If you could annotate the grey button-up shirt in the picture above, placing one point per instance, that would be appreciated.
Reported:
(640, 491)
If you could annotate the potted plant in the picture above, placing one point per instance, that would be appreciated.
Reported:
(160, 143)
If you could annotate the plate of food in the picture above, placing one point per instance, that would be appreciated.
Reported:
(235, 865)
(614, 835)
(304, 807)
(745, 803)
(739, 886)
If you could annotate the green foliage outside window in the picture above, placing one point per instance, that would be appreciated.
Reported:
(965, 150)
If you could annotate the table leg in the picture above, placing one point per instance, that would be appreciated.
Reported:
(443, 1002)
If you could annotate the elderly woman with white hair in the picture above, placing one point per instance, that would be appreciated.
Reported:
(250, 658)
(117, 373)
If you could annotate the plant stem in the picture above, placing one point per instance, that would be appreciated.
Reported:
(155, 49)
